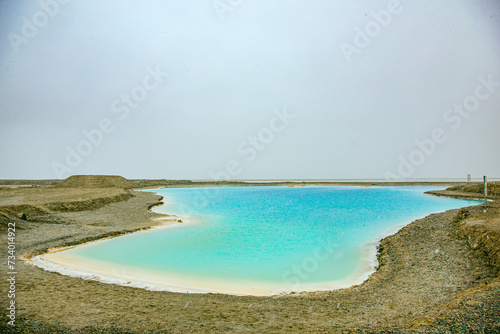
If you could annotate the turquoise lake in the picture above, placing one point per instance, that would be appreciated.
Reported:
(285, 238)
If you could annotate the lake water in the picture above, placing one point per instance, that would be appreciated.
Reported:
(265, 239)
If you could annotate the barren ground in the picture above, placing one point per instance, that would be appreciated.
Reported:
(438, 274)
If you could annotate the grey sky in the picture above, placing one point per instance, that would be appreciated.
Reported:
(231, 70)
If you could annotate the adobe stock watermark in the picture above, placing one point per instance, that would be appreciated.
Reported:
(452, 117)
(32, 26)
(121, 106)
(11, 273)
(224, 6)
(248, 150)
(363, 37)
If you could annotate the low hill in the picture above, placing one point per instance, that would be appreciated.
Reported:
(470, 190)
(493, 188)
(97, 181)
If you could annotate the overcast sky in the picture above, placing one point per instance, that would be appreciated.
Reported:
(250, 89)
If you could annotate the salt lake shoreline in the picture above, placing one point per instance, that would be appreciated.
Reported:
(52, 261)
(350, 311)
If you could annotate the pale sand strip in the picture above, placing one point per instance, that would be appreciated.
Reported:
(57, 260)
(150, 280)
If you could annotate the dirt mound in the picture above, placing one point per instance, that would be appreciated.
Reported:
(28, 210)
(97, 181)
(493, 188)
(41, 201)
(90, 204)
(482, 231)
(470, 190)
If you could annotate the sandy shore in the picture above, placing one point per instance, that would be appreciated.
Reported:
(437, 274)
(58, 261)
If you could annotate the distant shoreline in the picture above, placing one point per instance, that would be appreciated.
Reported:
(155, 183)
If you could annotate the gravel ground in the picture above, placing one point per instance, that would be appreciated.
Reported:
(429, 280)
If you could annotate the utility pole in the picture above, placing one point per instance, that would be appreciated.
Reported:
(485, 193)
